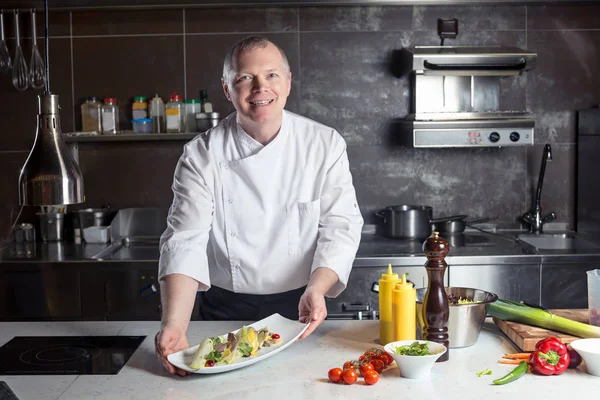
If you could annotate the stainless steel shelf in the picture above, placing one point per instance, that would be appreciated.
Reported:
(128, 136)
(148, 4)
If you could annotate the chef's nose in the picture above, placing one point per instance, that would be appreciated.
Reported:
(259, 84)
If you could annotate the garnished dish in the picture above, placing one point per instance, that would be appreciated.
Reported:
(413, 349)
(230, 348)
(239, 348)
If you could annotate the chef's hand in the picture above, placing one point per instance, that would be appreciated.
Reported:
(312, 310)
(167, 341)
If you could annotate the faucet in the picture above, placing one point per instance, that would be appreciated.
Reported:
(534, 216)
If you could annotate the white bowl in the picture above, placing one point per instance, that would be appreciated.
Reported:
(589, 350)
(415, 367)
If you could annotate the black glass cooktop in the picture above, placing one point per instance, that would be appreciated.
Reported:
(67, 355)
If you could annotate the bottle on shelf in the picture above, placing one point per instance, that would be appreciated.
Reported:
(139, 108)
(110, 116)
(157, 113)
(91, 115)
(205, 105)
(386, 285)
(175, 114)
(192, 107)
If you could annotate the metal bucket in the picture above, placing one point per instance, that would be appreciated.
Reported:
(465, 320)
(52, 226)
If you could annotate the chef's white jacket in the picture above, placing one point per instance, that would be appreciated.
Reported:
(260, 219)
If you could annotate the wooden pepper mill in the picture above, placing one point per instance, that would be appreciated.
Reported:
(435, 302)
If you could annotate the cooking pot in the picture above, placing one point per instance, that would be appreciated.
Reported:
(410, 221)
(454, 224)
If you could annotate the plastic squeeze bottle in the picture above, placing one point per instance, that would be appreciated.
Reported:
(404, 310)
(386, 285)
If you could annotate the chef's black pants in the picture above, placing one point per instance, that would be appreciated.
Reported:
(218, 304)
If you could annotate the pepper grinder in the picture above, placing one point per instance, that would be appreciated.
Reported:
(435, 302)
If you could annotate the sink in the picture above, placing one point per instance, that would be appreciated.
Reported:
(558, 241)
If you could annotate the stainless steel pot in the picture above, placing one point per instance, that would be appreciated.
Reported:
(413, 222)
(406, 221)
(454, 224)
(95, 217)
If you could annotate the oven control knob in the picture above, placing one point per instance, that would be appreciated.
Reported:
(514, 136)
(494, 137)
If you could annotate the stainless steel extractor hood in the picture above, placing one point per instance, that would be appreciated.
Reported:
(465, 97)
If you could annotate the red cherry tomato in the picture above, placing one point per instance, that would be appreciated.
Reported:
(384, 359)
(210, 363)
(275, 336)
(348, 365)
(349, 376)
(335, 375)
(377, 365)
(362, 358)
(389, 357)
(371, 377)
(364, 368)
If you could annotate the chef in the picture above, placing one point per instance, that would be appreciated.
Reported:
(264, 216)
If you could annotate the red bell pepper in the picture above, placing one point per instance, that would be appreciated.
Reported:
(551, 357)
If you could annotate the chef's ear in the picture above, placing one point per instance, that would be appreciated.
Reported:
(225, 89)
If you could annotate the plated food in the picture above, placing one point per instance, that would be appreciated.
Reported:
(288, 330)
(230, 348)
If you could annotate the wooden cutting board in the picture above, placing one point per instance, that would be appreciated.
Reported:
(526, 336)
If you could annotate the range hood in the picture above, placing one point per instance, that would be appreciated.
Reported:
(465, 97)
(471, 61)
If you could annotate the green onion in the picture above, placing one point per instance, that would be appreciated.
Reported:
(511, 311)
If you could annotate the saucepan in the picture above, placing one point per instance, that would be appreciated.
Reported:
(411, 221)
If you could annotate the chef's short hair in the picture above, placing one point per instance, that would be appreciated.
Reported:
(247, 44)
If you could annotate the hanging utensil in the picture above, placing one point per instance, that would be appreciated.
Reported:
(20, 73)
(5, 60)
(37, 72)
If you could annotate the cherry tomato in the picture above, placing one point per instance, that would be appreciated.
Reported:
(348, 365)
(210, 363)
(377, 365)
(383, 359)
(364, 368)
(389, 357)
(362, 358)
(349, 376)
(335, 375)
(275, 336)
(371, 377)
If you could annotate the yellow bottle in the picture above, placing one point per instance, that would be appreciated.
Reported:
(386, 285)
(404, 310)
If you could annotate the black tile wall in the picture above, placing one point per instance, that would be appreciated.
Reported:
(339, 58)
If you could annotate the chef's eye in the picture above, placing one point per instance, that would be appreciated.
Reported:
(273, 75)
(244, 78)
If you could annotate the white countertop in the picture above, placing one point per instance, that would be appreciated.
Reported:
(298, 372)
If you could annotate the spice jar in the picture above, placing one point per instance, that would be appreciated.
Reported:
(175, 114)
(110, 116)
(139, 108)
(192, 107)
(91, 114)
(157, 113)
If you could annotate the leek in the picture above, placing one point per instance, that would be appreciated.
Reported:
(511, 311)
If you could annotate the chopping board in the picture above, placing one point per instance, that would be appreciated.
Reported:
(526, 336)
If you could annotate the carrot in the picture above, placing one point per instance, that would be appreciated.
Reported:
(519, 356)
(506, 361)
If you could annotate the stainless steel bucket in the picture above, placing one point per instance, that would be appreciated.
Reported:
(52, 226)
(465, 320)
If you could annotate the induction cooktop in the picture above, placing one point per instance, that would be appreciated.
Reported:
(67, 355)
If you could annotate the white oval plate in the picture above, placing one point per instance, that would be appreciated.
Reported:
(289, 331)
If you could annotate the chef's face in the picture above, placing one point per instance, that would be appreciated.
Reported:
(259, 85)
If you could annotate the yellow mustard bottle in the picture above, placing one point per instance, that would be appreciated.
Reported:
(386, 285)
(404, 310)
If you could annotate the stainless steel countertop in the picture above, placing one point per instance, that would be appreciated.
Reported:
(472, 247)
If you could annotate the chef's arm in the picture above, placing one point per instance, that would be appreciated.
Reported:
(178, 294)
(322, 280)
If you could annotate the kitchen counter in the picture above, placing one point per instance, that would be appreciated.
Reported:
(299, 372)
(473, 247)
